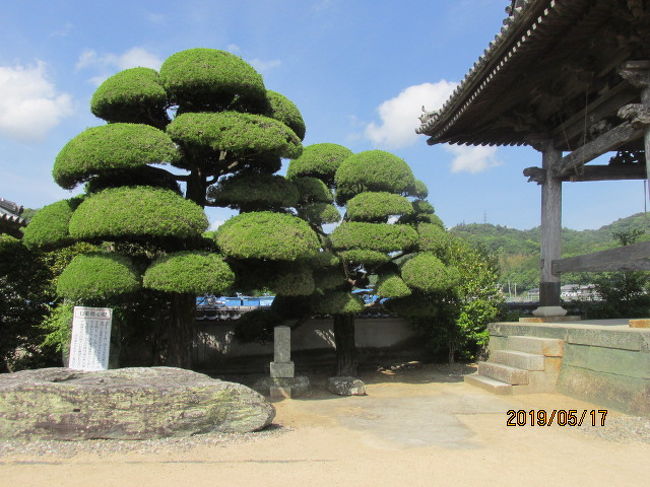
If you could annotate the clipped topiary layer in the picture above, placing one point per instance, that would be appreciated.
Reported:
(432, 238)
(428, 274)
(364, 256)
(312, 190)
(189, 273)
(319, 213)
(423, 207)
(95, 276)
(373, 206)
(299, 282)
(49, 226)
(372, 170)
(141, 176)
(267, 235)
(373, 236)
(324, 259)
(392, 286)
(329, 278)
(414, 306)
(319, 161)
(133, 95)
(337, 302)
(242, 134)
(99, 150)
(254, 191)
(212, 79)
(287, 112)
(137, 211)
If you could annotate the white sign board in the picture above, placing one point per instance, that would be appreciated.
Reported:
(91, 338)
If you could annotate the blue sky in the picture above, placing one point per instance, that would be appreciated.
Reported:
(359, 70)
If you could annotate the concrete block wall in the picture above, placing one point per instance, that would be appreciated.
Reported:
(607, 365)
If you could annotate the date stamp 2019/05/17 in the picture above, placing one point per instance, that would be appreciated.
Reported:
(561, 417)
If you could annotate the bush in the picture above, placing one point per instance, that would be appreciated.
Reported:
(48, 228)
(371, 206)
(287, 112)
(373, 236)
(429, 274)
(391, 286)
(312, 190)
(254, 191)
(337, 302)
(319, 213)
(319, 161)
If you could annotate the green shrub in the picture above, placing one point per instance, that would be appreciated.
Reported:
(136, 212)
(419, 190)
(257, 326)
(373, 236)
(240, 134)
(371, 206)
(364, 256)
(266, 235)
(298, 282)
(319, 213)
(141, 176)
(49, 226)
(324, 259)
(329, 278)
(391, 286)
(312, 190)
(254, 191)
(209, 79)
(287, 112)
(417, 305)
(337, 302)
(373, 170)
(432, 238)
(428, 274)
(189, 273)
(320, 161)
(94, 277)
(134, 95)
(100, 150)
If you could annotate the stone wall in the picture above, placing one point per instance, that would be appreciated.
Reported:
(604, 362)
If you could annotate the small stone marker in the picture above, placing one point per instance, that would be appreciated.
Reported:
(282, 366)
(91, 338)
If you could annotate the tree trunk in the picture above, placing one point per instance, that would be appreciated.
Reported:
(196, 187)
(346, 350)
(181, 331)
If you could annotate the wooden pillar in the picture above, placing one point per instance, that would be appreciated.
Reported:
(637, 73)
(549, 288)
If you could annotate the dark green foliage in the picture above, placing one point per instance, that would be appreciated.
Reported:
(374, 236)
(423, 207)
(295, 282)
(137, 211)
(194, 273)
(208, 79)
(417, 305)
(329, 278)
(240, 134)
(49, 226)
(312, 190)
(257, 326)
(391, 286)
(363, 256)
(294, 309)
(141, 176)
(266, 235)
(419, 190)
(324, 259)
(337, 302)
(134, 95)
(373, 170)
(320, 161)
(319, 213)
(250, 192)
(432, 238)
(287, 112)
(429, 274)
(116, 146)
(377, 206)
(94, 277)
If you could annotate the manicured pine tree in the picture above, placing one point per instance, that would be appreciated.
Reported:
(208, 113)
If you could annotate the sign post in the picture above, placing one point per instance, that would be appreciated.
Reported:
(91, 338)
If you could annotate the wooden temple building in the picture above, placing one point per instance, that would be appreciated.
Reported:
(10, 220)
(570, 78)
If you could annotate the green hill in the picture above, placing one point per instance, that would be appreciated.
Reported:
(518, 250)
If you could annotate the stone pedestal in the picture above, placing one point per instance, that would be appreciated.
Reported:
(548, 311)
(283, 384)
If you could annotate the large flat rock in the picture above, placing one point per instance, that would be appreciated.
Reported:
(130, 403)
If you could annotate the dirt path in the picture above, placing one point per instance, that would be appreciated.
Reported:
(415, 428)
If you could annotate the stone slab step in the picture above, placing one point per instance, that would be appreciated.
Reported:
(519, 360)
(504, 373)
(491, 385)
(550, 347)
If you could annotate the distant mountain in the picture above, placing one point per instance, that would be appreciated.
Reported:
(518, 250)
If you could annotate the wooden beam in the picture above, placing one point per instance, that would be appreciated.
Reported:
(634, 257)
(608, 173)
(608, 141)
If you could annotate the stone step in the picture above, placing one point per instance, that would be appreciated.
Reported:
(491, 385)
(550, 347)
(504, 373)
(519, 360)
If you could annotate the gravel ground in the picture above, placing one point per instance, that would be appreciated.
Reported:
(620, 429)
(67, 449)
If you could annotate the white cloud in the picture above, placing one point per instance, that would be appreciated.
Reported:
(107, 64)
(216, 224)
(472, 159)
(262, 66)
(399, 115)
(233, 48)
(30, 105)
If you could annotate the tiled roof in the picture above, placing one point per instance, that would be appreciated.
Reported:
(10, 213)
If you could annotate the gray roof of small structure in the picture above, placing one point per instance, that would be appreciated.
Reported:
(10, 213)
